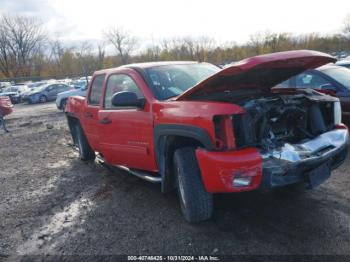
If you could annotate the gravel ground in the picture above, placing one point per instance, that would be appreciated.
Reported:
(52, 203)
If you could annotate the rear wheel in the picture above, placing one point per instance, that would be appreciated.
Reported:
(196, 203)
(63, 104)
(42, 99)
(85, 151)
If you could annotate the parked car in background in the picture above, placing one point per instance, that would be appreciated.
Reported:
(31, 87)
(77, 84)
(84, 78)
(62, 98)
(4, 85)
(10, 95)
(15, 92)
(331, 79)
(36, 84)
(5, 109)
(344, 63)
(66, 81)
(47, 92)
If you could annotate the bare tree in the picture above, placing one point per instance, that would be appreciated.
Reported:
(256, 42)
(346, 28)
(101, 55)
(203, 46)
(5, 55)
(57, 52)
(122, 41)
(85, 57)
(21, 39)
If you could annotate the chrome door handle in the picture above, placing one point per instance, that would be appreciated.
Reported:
(105, 121)
(88, 115)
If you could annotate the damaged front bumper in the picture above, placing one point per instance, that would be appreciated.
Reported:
(296, 163)
(309, 161)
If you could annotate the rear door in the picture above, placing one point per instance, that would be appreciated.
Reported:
(90, 111)
(51, 91)
(126, 133)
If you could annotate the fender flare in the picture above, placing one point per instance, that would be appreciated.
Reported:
(161, 134)
(72, 120)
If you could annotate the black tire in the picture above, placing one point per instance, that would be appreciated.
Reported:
(42, 99)
(85, 151)
(196, 203)
(63, 104)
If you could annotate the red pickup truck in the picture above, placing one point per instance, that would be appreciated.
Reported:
(202, 130)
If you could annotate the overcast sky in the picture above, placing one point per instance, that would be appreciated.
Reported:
(224, 20)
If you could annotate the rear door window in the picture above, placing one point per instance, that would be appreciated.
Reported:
(96, 90)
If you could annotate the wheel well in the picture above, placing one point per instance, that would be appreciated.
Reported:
(170, 144)
(72, 122)
(63, 100)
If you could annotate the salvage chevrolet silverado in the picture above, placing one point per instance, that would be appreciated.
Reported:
(202, 130)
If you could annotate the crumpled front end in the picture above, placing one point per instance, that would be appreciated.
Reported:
(248, 169)
(309, 162)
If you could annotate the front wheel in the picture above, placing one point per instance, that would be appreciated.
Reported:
(196, 203)
(42, 99)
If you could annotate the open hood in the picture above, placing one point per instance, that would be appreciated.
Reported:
(259, 72)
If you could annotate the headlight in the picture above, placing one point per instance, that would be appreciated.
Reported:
(337, 113)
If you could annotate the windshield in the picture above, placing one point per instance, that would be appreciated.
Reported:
(339, 74)
(172, 80)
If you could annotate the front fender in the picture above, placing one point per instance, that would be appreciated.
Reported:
(161, 134)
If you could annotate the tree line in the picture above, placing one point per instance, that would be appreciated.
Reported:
(27, 50)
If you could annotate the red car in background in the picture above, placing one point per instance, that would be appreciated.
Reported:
(202, 130)
(5, 106)
(5, 109)
(330, 79)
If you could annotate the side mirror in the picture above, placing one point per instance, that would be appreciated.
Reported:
(328, 87)
(127, 99)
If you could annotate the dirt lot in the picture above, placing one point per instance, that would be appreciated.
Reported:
(52, 203)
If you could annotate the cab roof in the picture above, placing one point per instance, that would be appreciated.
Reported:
(142, 66)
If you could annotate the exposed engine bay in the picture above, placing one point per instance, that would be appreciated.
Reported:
(273, 120)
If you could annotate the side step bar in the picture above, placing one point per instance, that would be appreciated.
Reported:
(143, 175)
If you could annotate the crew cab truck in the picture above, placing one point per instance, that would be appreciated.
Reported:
(203, 130)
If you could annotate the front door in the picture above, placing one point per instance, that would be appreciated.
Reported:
(90, 113)
(126, 133)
